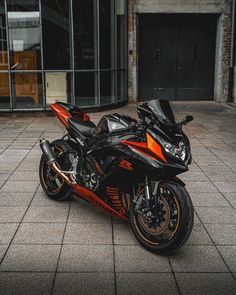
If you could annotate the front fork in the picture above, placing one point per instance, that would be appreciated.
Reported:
(149, 193)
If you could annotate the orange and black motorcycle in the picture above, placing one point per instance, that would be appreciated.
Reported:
(126, 167)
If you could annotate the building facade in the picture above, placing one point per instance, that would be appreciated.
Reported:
(69, 50)
(96, 53)
(182, 50)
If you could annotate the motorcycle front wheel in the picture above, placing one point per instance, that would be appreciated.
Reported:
(168, 229)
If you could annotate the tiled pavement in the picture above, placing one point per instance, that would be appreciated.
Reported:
(73, 248)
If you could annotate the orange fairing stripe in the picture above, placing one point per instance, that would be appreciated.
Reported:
(61, 113)
(93, 199)
(150, 148)
(155, 147)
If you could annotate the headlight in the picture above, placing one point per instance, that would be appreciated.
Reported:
(176, 151)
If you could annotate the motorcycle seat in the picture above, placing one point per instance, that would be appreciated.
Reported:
(86, 128)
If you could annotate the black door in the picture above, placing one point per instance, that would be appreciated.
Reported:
(176, 56)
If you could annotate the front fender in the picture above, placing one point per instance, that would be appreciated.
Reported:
(175, 180)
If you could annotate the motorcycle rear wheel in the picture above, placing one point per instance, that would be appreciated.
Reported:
(54, 187)
(175, 230)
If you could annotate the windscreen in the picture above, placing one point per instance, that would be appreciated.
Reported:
(162, 110)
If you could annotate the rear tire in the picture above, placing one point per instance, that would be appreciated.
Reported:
(182, 231)
(54, 187)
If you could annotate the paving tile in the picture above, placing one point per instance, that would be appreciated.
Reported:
(7, 231)
(200, 187)
(42, 200)
(216, 167)
(17, 155)
(145, 283)
(11, 214)
(86, 258)
(28, 166)
(15, 199)
(88, 233)
(222, 234)
(196, 219)
(216, 215)
(209, 200)
(31, 258)
(3, 249)
(29, 175)
(129, 259)
(22, 144)
(84, 284)
(221, 176)
(20, 186)
(193, 176)
(226, 187)
(199, 236)
(46, 214)
(39, 233)
(4, 175)
(194, 168)
(231, 197)
(85, 212)
(206, 283)
(123, 234)
(229, 255)
(198, 259)
(26, 283)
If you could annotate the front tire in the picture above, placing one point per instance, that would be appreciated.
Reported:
(170, 235)
(53, 185)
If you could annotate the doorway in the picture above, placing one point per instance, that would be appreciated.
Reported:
(176, 56)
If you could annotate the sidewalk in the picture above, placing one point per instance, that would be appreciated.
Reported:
(73, 248)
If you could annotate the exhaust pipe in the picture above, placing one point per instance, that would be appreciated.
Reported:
(51, 160)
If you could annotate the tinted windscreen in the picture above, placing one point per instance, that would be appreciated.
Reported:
(162, 110)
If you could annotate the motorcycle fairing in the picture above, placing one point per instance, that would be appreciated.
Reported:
(134, 156)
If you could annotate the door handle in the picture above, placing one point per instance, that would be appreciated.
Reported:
(179, 68)
(15, 65)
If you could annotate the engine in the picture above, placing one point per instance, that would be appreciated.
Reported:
(90, 174)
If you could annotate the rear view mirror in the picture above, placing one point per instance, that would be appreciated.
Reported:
(186, 120)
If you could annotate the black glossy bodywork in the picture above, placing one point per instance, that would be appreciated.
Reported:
(119, 154)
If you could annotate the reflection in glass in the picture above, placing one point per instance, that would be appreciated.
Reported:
(3, 39)
(56, 34)
(24, 34)
(121, 85)
(27, 89)
(105, 87)
(84, 89)
(105, 33)
(84, 34)
(121, 32)
(58, 87)
(4, 91)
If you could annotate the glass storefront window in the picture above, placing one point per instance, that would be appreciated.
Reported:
(4, 91)
(27, 90)
(121, 27)
(24, 35)
(3, 39)
(85, 89)
(106, 87)
(121, 93)
(56, 34)
(68, 50)
(105, 33)
(84, 34)
(58, 87)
